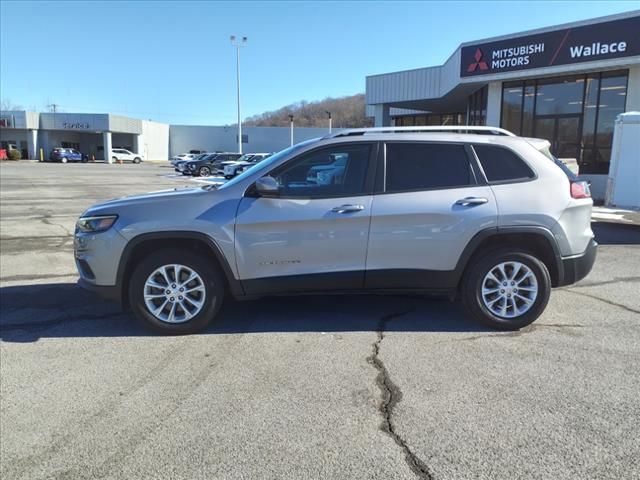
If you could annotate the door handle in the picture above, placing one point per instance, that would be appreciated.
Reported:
(469, 201)
(347, 208)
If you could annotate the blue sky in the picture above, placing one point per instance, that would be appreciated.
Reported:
(172, 61)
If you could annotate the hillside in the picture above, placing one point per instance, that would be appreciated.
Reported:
(345, 112)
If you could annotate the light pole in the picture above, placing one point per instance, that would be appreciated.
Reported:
(329, 113)
(238, 43)
(291, 123)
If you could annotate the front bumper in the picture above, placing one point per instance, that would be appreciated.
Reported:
(576, 267)
(112, 293)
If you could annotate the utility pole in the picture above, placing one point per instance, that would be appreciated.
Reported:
(291, 123)
(238, 43)
(53, 107)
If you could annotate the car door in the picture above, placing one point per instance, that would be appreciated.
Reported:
(430, 205)
(312, 236)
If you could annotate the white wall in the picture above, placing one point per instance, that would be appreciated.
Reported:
(183, 138)
(154, 141)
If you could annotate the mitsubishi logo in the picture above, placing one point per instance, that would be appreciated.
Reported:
(479, 63)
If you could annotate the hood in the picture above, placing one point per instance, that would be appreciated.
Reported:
(172, 195)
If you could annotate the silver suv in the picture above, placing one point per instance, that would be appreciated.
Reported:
(469, 212)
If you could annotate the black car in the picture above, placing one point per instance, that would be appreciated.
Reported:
(208, 165)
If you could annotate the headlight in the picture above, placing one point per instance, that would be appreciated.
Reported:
(99, 223)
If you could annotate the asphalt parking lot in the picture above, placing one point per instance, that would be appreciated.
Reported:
(301, 387)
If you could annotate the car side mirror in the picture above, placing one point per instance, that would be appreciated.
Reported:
(267, 187)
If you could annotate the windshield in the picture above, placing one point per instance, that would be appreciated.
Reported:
(268, 162)
(245, 157)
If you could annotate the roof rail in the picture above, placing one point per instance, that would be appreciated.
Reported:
(447, 128)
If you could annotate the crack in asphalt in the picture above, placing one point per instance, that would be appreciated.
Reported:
(604, 300)
(391, 396)
(633, 279)
(47, 220)
(65, 317)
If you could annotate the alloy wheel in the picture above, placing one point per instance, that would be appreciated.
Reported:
(509, 289)
(174, 293)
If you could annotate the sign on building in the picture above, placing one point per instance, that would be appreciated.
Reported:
(614, 39)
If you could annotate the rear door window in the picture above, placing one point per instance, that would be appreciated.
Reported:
(426, 166)
(501, 164)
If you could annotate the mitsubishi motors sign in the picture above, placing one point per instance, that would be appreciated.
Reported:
(600, 41)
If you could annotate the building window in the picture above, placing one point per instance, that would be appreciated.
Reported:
(429, 119)
(477, 107)
(575, 113)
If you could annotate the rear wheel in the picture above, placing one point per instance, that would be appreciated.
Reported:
(506, 289)
(114, 159)
(204, 171)
(64, 160)
(176, 292)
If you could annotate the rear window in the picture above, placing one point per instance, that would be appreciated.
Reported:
(501, 164)
(426, 166)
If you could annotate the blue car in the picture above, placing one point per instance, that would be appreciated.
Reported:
(65, 155)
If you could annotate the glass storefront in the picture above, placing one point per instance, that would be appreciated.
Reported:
(435, 119)
(575, 113)
(477, 107)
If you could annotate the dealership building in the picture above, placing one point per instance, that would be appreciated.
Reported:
(94, 134)
(566, 84)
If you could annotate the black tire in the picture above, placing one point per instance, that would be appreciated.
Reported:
(472, 288)
(204, 171)
(137, 160)
(114, 159)
(213, 283)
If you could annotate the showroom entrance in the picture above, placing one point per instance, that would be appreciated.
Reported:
(563, 131)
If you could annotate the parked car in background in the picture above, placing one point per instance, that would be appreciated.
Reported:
(183, 157)
(124, 155)
(479, 214)
(209, 165)
(65, 155)
(232, 168)
(180, 165)
(254, 161)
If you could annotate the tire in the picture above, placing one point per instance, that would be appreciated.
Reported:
(204, 171)
(114, 159)
(488, 307)
(137, 160)
(64, 160)
(209, 278)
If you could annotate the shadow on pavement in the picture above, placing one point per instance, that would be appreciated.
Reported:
(62, 310)
(616, 233)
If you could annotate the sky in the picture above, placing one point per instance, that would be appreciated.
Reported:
(173, 61)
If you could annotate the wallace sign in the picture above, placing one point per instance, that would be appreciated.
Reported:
(614, 39)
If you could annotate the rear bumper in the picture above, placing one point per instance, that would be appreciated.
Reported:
(577, 267)
(111, 292)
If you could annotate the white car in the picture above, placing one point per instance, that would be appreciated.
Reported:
(231, 169)
(123, 155)
(183, 157)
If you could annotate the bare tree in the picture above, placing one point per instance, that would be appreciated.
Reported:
(346, 112)
(7, 105)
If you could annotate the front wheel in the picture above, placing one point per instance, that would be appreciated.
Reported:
(176, 292)
(204, 171)
(137, 160)
(506, 289)
(64, 160)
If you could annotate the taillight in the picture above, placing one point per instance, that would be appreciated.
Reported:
(580, 189)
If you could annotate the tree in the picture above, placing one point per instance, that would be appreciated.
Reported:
(346, 112)
(7, 105)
